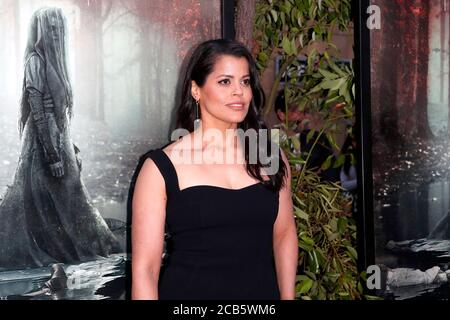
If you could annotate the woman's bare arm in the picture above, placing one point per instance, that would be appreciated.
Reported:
(149, 212)
(285, 241)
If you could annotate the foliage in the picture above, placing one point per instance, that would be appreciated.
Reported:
(289, 30)
(293, 28)
(327, 237)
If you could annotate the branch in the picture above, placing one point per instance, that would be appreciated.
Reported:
(276, 83)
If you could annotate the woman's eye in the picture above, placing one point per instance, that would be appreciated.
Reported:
(246, 82)
(224, 81)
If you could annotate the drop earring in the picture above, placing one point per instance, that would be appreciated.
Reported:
(196, 115)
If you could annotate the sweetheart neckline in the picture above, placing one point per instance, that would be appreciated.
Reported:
(221, 188)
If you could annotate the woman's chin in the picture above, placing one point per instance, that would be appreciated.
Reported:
(236, 118)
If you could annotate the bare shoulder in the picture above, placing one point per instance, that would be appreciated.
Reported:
(150, 177)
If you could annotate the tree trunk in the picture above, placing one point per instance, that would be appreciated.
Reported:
(389, 61)
(89, 62)
(423, 127)
(159, 78)
(245, 13)
(445, 15)
(100, 76)
(376, 46)
(102, 17)
(407, 73)
(442, 46)
(87, 59)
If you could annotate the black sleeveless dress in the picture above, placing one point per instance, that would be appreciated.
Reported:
(220, 244)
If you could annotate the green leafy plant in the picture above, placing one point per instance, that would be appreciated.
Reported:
(326, 233)
(293, 28)
(289, 30)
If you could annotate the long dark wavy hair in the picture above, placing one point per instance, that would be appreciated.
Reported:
(200, 65)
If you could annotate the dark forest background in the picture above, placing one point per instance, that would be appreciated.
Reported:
(124, 60)
(410, 129)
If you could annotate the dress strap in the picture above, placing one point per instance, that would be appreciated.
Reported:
(167, 169)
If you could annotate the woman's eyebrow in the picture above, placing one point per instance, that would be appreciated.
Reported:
(230, 76)
(225, 75)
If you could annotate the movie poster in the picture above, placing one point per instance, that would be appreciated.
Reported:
(86, 88)
(410, 123)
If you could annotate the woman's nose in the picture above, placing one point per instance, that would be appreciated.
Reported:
(238, 89)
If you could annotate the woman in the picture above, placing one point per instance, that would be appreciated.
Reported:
(46, 215)
(224, 219)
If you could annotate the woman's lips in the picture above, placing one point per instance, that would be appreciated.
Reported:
(235, 106)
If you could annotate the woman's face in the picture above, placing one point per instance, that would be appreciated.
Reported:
(226, 94)
(57, 26)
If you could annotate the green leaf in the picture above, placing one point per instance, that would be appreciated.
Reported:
(339, 161)
(332, 100)
(327, 163)
(320, 257)
(310, 60)
(304, 246)
(301, 214)
(315, 89)
(307, 240)
(286, 44)
(301, 277)
(274, 15)
(288, 6)
(262, 56)
(311, 275)
(347, 97)
(313, 263)
(310, 135)
(295, 140)
(332, 84)
(343, 90)
(336, 68)
(342, 225)
(333, 224)
(352, 252)
(333, 236)
(300, 39)
(305, 286)
(327, 74)
(294, 47)
(332, 141)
